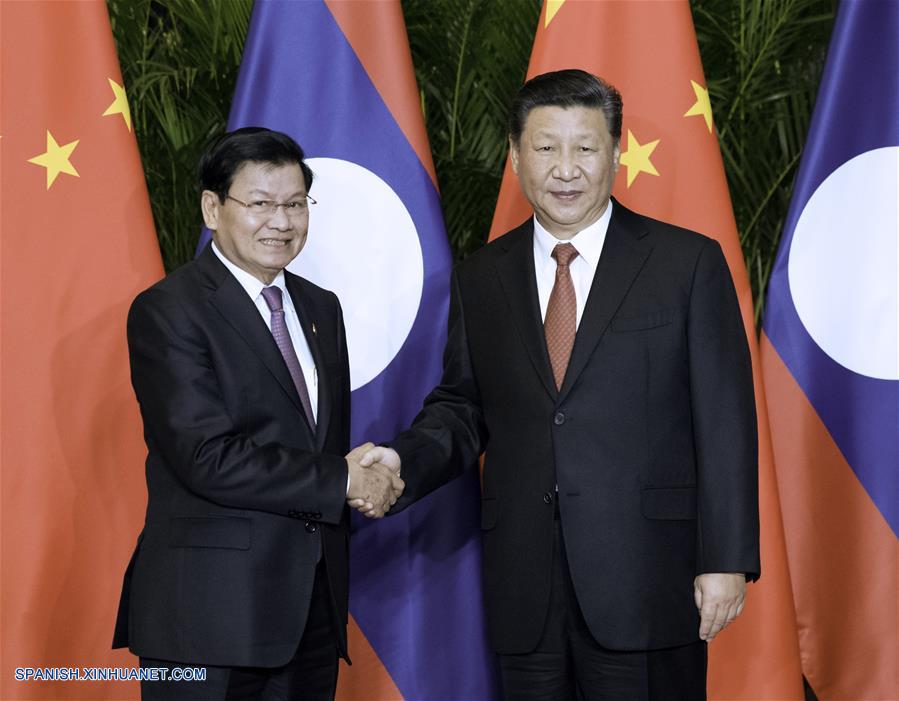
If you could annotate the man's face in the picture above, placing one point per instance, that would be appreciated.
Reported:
(262, 245)
(566, 162)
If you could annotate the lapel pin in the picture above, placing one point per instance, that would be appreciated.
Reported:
(314, 332)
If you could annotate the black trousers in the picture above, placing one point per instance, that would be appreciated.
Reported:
(310, 676)
(568, 663)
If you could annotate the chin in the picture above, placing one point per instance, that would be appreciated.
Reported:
(284, 256)
(566, 219)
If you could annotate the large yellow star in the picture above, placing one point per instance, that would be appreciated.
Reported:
(636, 158)
(56, 159)
(552, 7)
(120, 104)
(702, 105)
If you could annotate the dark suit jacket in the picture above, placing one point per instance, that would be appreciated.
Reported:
(243, 498)
(651, 440)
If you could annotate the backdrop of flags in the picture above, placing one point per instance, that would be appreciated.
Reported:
(77, 245)
(338, 77)
(830, 354)
(671, 169)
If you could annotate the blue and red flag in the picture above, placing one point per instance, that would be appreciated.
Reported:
(338, 78)
(831, 363)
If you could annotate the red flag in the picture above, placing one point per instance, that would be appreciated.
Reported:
(671, 169)
(77, 245)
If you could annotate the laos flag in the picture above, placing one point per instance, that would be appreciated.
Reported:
(831, 363)
(337, 77)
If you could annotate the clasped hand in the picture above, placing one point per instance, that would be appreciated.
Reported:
(375, 482)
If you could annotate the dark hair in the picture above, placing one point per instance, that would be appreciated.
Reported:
(224, 156)
(568, 88)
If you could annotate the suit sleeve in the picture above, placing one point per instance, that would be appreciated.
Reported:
(449, 433)
(186, 421)
(724, 421)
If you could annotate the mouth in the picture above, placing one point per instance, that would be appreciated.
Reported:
(565, 195)
(275, 243)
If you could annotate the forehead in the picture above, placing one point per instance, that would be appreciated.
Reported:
(577, 120)
(269, 177)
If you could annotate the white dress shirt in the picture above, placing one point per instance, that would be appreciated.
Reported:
(253, 288)
(588, 242)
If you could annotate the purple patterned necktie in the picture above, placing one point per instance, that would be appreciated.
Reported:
(274, 300)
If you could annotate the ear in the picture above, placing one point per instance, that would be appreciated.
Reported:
(211, 206)
(616, 157)
(513, 155)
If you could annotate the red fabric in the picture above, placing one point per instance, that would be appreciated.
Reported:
(74, 254)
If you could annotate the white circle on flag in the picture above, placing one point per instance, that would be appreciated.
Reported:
(844, 264)
(363, 246)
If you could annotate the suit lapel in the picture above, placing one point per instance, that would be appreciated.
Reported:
(235, 306)
(518, 279)
(307, 312)
(624, 252)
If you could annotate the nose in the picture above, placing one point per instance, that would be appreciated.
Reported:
(279, 219)
(565, 167)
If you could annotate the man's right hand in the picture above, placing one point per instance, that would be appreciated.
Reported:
(374, 486)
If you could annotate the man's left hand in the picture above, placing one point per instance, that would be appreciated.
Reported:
(719, 597)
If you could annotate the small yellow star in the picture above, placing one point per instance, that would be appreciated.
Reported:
(636, 158)
(702, 105)
(120, 104)
(56, 159)
(552, 7)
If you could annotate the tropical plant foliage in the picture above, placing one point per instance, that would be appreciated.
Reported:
(762, 60)
(470, 58)
(179, 60)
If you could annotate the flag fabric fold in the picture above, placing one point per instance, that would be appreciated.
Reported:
(338, 78)
(77, 245)
(830, 354)
(671, 169)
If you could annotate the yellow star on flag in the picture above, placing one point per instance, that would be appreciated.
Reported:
(702, 105)
(636, 158)
(56, 159)
(120, 104)
(552, 7)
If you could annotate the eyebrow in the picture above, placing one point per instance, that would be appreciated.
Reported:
(266, 194)
(549, 133)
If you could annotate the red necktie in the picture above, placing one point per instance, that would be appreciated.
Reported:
(560, 325)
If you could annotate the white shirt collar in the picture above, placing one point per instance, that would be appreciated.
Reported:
(588, 241)
(250, 283)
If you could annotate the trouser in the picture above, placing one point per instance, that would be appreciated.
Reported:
(568, 663)
(310, 676)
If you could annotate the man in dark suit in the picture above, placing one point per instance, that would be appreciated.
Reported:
(241, 372)
(599, 358)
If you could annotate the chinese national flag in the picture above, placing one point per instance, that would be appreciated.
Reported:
(77, 245)
(671, 169)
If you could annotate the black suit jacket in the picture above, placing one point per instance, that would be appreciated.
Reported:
(651, 440)
(243, 498)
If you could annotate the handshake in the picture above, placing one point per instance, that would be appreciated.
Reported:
(375, 482)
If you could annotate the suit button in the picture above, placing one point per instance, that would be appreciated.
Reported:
(547, 498)
(559, 418)
(311, 527)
